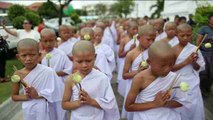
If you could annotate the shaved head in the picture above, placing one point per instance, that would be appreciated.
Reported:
(170, 24)
(132, 24)
(27, 43)
(47, 31)
(145, 29)
(160, 49)
(86, 30)
(98, 29)
(184, 27)
(83, 46)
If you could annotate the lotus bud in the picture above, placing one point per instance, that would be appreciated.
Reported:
(48, 56)
(76, 78)
(184, 86)
(87, 37)
(144, 64)
(208, 45)
(15, 78)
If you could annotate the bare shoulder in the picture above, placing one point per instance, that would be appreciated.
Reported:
(144, 78)
(69, 82)
(131, 53)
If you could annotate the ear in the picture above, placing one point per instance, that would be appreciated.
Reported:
(95, 56)
(71, 58)
(139, 37)
(17, 56)
(148, 61)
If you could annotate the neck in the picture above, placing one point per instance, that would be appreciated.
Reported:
(27, 30)
(30, 69)
(96, 43)
(169, 38)
(160, 31)
(141, 48)
(211, 25)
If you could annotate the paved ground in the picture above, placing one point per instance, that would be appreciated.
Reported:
(207, 101)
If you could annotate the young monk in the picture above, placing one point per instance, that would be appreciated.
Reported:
(132, 66)
(59, 62)
(159, 25)
(66, 44)
(42, 83)
(96, 100)
(99, 46)
(189, 63)
(101, 59)
(148, 97)
(171, 31)
(126, 45)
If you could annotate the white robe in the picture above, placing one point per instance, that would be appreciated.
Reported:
(46, 83)
(161, 36)
(134, 67)
(149, 94)
(121, 82)
(114, 34)
(174, 41)
(109, 53)
(59, 62)
(191, 76)
(66, 47)
(108, 38)
(102, 63)
(97, 85)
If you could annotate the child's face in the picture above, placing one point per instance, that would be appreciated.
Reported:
(133, 30)
(64, 34)
(147, 39)
(29, 57)
(98, 36)
(84, 61)
(48, 42)
(171, 31)
(161, 66)
(184, 36)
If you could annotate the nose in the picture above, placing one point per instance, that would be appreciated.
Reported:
(28, 58)
(84, 64)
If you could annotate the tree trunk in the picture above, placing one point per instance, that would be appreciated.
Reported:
(60, 15)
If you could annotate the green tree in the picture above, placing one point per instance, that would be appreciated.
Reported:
(48, 10)
(100, 9)
(201, 14)
(14, 11)
(18, 13)
(62, 5)
(18, 22)
(32, 16)
(159, 8)
(122, 8)
(81, 12)
(75, 17)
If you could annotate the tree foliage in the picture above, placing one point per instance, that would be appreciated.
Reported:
(100, 9)
(81, 12)
(17, 14)
(48, 10)
(75, 17)
(122, 8)
(18, 22)
(201, 14)
(159, 8)
(14, 11)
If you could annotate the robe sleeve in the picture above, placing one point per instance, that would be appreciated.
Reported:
(68, 65)
(108, 102)
(51, 90)
(201, 61)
